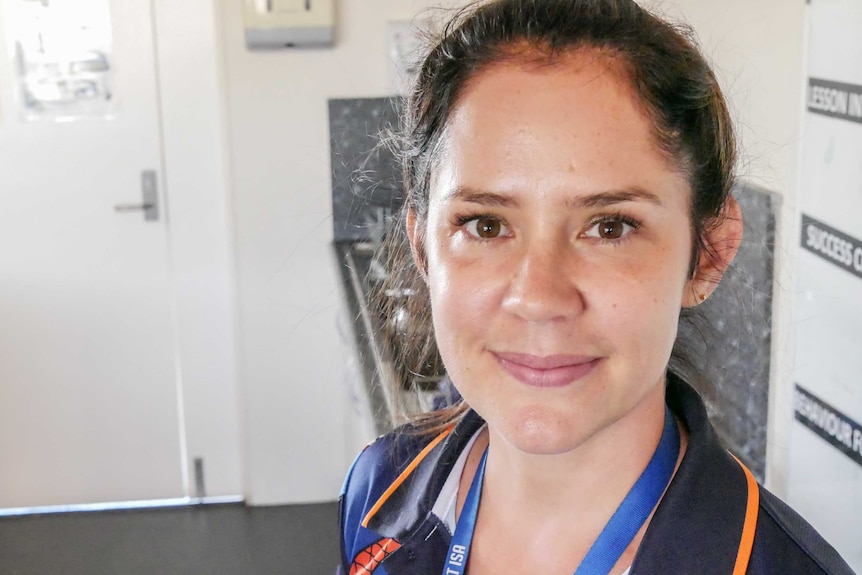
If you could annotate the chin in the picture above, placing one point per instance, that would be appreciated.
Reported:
(541, 431)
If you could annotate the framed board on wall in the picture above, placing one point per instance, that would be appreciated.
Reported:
(825, 475)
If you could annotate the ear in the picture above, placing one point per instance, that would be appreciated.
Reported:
(417, 242)
(722, 241)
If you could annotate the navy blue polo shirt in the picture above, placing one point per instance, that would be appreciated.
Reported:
(388, 526)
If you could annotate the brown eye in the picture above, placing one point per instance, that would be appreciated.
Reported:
(488, 228)
(611, 230)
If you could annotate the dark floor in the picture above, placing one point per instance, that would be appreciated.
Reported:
(211, 539)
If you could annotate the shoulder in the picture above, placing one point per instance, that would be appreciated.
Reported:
(373, 471)
(381, 463)
(392, 485)
(382, 460)
(708, 506)
(786, 543)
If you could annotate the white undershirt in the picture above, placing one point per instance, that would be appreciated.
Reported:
(444, 507)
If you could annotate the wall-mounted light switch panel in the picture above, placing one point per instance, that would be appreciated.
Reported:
(289, 23)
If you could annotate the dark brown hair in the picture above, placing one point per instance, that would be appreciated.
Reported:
(673, 81)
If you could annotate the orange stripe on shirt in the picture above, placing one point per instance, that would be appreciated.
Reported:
(404, 475)
(749, 527)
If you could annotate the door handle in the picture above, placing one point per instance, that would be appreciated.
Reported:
(150, 193)
(132, 207)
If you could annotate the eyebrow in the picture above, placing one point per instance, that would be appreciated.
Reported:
(594, 200)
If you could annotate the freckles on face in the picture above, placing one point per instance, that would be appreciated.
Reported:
(557, 243)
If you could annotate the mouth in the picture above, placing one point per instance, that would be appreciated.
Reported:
(547, 371)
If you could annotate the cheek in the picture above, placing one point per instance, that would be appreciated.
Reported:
(645, 302)
(462, 297)
(465, 293)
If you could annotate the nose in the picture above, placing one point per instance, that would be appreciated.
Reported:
(544, 286)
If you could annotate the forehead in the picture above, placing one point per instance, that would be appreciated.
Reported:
(575, 123)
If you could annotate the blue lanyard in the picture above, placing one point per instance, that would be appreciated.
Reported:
(619, 531)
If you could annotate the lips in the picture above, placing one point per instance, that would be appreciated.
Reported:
(547, 371)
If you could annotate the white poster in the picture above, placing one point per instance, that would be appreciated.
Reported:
(825, 476)
(62, 53)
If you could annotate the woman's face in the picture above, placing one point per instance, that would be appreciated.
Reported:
(558, 244)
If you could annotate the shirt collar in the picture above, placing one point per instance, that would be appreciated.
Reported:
(698, 524)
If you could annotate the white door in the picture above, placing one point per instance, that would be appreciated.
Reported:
(88, 387)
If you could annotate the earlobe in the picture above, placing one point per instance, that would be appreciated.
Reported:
(415, 236)
(722, 242)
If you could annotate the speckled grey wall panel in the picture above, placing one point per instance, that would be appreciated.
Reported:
(366, 180)
(732, 338)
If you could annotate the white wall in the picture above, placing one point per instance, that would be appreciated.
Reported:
(299, 425)
(298, 420)
(757, 48)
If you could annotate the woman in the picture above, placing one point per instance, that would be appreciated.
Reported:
(568, 166)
